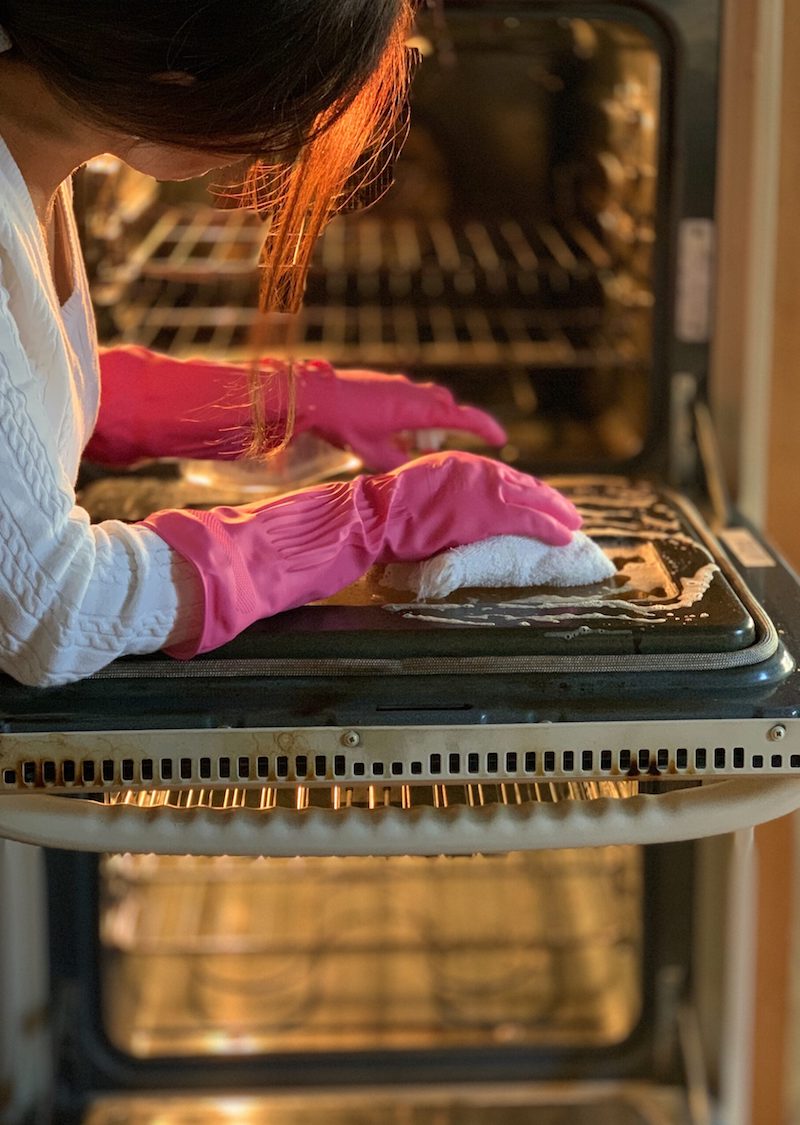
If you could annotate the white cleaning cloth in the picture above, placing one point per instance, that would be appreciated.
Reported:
(503, 560)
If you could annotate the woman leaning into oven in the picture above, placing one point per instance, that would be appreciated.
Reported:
(175, 88)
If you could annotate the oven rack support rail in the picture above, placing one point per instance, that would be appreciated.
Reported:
(748, 770)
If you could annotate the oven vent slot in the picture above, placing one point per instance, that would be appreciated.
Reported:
(340, 798)
(358, 767)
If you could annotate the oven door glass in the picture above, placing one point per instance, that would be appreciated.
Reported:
(225, 957)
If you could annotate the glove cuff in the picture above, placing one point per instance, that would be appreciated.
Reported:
(258, 560)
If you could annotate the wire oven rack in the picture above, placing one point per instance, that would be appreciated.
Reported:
(402, 292)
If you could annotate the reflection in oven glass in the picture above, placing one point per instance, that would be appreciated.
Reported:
(240, 956)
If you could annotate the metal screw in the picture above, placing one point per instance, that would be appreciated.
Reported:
(776, 733)
(351, 738)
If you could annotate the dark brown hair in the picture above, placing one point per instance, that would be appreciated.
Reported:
(264, 70)
(313, 91)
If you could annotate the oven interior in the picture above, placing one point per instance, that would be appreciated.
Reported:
(523, 258)
(520, 257)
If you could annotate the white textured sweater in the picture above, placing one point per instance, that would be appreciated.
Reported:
(73, 596)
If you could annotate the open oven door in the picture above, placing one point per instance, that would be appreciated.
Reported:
(337, 729)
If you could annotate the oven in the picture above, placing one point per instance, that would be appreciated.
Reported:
(463, 860)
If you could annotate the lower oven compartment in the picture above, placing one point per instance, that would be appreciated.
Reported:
(373, 990)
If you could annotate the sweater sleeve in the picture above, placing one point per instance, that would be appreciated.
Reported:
(73, 596)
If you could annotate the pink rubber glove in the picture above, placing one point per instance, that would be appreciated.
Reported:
(155, 406)
(260, 559)
(372, 413)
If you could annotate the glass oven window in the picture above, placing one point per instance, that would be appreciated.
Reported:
(220, 956)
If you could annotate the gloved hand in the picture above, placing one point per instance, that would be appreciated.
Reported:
(156, 406)
(371, 413)
(152, 405)
(260, 559)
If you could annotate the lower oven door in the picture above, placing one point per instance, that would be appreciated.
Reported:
(539, 987)
(663, 707)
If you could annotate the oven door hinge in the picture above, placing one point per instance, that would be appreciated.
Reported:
(694, 456)
(683, 454)
(677, 1043)
(712, 467)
